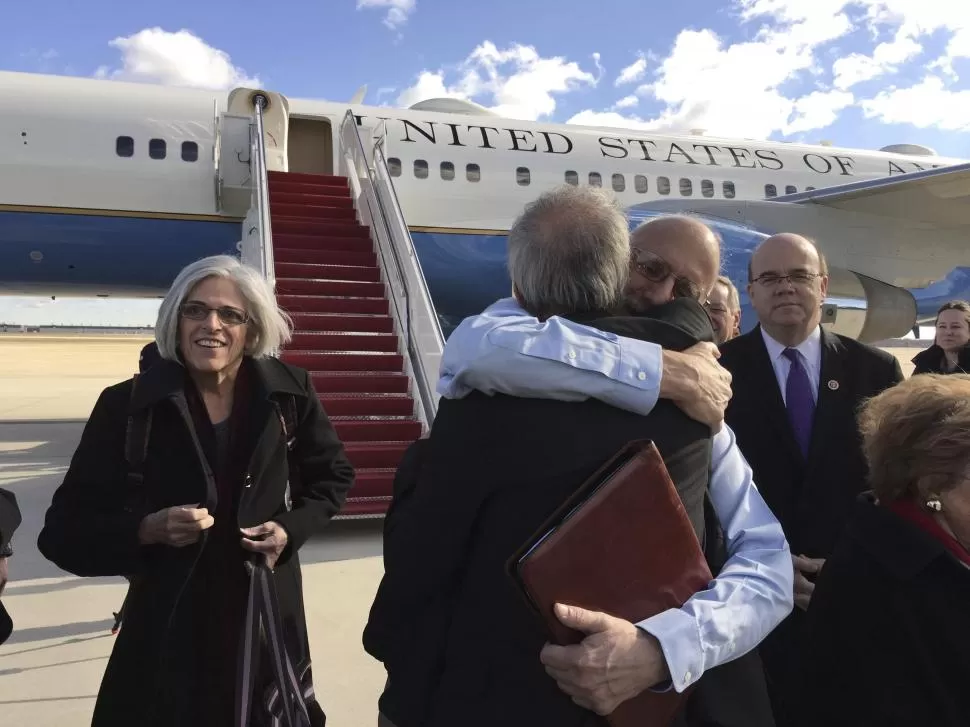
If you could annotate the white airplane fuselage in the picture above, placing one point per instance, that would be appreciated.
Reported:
(109, 188)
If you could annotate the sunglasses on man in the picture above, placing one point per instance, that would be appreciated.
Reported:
(657, 270)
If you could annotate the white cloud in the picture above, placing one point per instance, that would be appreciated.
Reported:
(627, 102)
(516, 82)
(633, 72)
(927, 104)
(398, 11)
(745, 88)
(154, 55)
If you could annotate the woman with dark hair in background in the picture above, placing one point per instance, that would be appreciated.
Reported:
(950, 352)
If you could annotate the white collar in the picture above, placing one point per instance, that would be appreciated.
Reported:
(810, 348)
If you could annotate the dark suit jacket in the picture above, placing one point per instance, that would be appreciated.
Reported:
(811, 499)
(887, 642)
(459, 643)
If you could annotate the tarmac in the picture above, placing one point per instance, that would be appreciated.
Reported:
(51, 666)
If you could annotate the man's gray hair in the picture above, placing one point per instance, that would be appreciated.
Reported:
(569, 252)
(269, 327)
(734, 300)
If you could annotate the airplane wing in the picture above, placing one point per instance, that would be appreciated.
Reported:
(940, 196)
(909, 230)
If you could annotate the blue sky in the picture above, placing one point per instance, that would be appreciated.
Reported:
(861, 73)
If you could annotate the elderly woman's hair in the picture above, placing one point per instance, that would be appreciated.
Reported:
(569, 252)
(916, 437)
(269, 327)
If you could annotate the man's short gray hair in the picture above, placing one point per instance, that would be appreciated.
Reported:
(269, 327)
(569, 252)
(734, 300)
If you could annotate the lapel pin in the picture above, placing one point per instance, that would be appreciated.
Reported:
(833, 385)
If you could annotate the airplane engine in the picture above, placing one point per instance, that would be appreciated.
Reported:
(867, 309)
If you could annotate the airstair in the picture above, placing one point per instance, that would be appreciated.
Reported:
(340, 255)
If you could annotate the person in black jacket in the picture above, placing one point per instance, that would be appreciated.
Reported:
(9, 522)
(212, 420)
(950, 352)
(887, 639)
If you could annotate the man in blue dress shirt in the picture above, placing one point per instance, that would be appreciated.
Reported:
(506, 350)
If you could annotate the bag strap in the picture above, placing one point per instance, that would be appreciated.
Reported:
(289, 420)
(263, 616)
(136, 438)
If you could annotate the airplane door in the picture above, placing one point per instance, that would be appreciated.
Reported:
(310, 146)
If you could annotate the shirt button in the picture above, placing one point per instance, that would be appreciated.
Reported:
(641, 376)
(687, 676)
(572, 354)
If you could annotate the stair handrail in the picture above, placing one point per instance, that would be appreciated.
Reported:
(413, 306)
(260, 176)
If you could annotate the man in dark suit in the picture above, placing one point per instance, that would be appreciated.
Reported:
(458, 641)
(9, 522)
(797, 389)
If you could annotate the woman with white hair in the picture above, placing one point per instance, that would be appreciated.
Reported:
(218, 455)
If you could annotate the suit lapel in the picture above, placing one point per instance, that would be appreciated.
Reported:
(766, 389)
(833, 393)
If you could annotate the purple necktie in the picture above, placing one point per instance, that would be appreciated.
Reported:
(799, 401)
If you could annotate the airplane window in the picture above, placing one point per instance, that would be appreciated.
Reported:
(572, 178)
(156, 148)
(447, 171)
(125, 146)
(791, 189)
(640, 184)
(707, 187)
(522, 176)
(595, 180)
(190, 151)
(420, 169)
(619, 182)
(728, 188)
(686, 188)
(663, 185)
(770, 190)
(394, 166)
(473, 173)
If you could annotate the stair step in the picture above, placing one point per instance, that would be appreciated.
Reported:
(323, 322)
(350, 405)
(359, 258)
(330, 243)
(328, 272)
(361, 508)
(344, 361)
(313, 212)
(305, 178)
(375, 454)
(318, 228)
(341, 199)
(303, 286)
(377, 482)
(376, 430)
(377, 382)
(341, 341)
(332, 304)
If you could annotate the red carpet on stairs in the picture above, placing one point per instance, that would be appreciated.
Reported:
(328, 280)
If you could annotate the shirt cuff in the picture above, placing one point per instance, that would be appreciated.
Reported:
(680, 641)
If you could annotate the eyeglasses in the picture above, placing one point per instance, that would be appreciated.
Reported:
(656, 269)
(770, 280)
(227, 314)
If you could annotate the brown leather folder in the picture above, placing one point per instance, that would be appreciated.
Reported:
(621, 544)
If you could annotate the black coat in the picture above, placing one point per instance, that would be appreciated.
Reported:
(812, 499)
(930, 361)
(458, 641)
(9, 522)
(887, 639)
(91, 528)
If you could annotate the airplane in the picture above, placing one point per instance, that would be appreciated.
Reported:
(109, 188)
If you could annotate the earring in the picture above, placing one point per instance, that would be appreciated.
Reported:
(934, 504)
